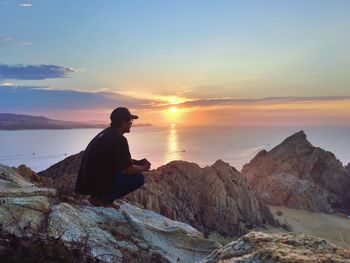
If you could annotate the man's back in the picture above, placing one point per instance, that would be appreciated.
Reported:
(107, 153)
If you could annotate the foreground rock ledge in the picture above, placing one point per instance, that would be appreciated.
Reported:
(130, 234)
(258, 247)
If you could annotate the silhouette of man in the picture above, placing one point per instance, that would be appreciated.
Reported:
(107, 171)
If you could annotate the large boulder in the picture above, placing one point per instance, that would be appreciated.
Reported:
(213, 199)
(23, 205)
(130, 234)
(258, 247)
(298, 175)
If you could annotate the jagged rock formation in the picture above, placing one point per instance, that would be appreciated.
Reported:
(214, 198)
(298, 175)
(258, 247)
(29, 175)
(347, 167)
(131, 234)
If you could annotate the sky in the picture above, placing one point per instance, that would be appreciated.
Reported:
(185, 62)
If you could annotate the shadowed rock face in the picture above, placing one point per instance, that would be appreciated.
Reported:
(214, 198)
(299, 175)
(130, 234)
(63, 174)
(258, 247)
(347, 167)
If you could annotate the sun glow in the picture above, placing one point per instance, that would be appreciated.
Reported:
(173, 109)
(173, 114)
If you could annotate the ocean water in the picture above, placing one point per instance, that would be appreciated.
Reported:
(39, 149)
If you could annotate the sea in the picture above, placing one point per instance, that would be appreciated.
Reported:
(40, 149)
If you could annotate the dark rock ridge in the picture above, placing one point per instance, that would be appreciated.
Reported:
(258, 247)
(213, 198)
(298, 175)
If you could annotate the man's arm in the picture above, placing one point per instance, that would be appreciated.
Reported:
(135, 169)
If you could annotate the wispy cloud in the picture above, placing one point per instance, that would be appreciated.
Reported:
(256, 101)
(7, 84)
(25, 5)
(33, 72)
(12, 42)
(44, 98)
(5, 38)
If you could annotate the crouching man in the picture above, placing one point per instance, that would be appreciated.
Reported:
(107, 171)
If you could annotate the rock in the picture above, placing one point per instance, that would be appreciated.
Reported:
(347, 167)
(107, 232)
(258, 247)
(63, 174)
(130, 234)
(30, 175)
(213, 198)
(299, 175)
(23, 205)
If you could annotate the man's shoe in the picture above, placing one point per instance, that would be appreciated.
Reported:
(96, 201)
(113, 206)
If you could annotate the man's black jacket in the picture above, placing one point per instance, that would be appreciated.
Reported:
(106, 154)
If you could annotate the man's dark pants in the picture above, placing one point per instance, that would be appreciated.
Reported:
(124, 184)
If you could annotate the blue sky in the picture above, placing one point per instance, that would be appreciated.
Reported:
(192, 50)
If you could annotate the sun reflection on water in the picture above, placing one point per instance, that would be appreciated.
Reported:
(173, 151)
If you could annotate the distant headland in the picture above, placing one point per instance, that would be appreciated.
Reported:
(11, 121)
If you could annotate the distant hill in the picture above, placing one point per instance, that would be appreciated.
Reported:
(10, 121)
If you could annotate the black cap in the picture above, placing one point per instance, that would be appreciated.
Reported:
(121, 114)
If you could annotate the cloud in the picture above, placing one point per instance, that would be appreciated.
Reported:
(257, 101)
(25, 5)
(6, 84)
(39, 98)
(33, 72)
(12, 42)
(5, 38)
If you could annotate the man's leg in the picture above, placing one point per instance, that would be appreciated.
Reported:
(129, 183)
(124, 184)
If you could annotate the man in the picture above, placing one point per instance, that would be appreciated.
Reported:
(107, 171)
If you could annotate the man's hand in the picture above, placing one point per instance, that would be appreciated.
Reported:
(145, 163)
(138, 166)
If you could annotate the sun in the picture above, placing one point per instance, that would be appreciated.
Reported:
(173, 109)
(173, 114)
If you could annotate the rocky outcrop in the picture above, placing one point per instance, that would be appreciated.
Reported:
(29, 175)
(63, 174)
(213, 198)
(130, 234)
(347, 167)
(298, 175)
(258, 247)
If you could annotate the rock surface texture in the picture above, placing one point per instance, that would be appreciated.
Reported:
(214, 198)
(258, 247)
(298, 175)
(130, 234)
